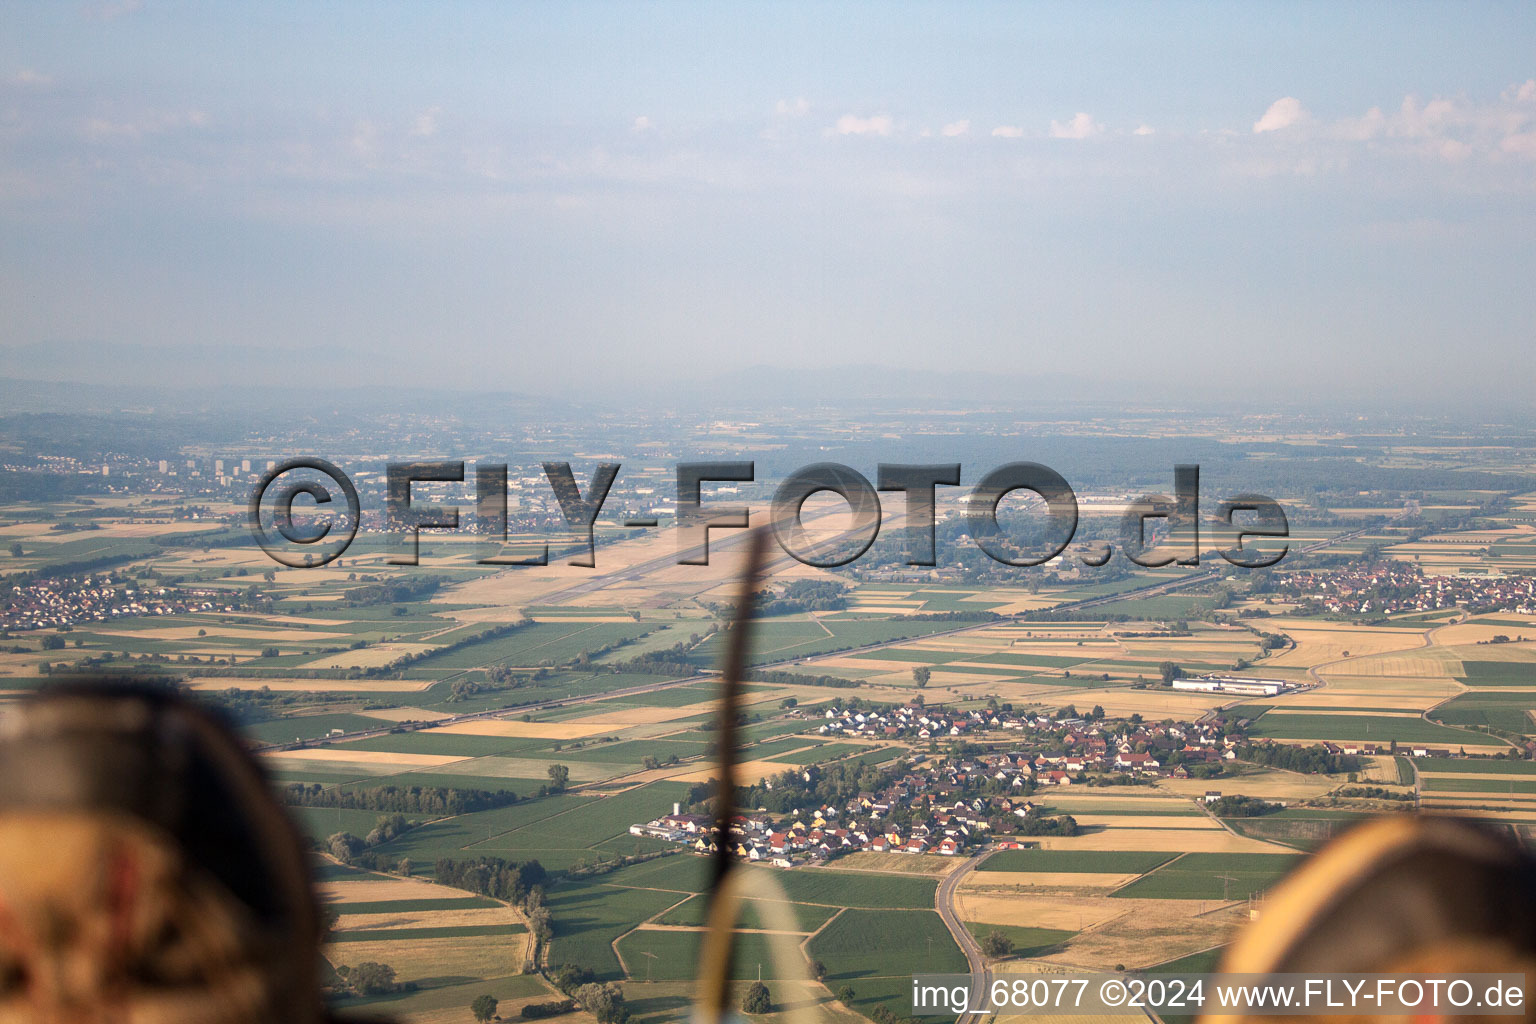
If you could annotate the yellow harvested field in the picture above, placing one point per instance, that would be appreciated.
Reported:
(1059, 879)
(1010, 905)
(313, 685)
(352, 756)
(383, 888)
(643, 716)
(417, 959)
(748, 772)
(191, 633)
(1186, 840)
(1179, 822)
(1267, 784)
(406, 715)
(530, 768)
(899, 863)
(427, 918)
(367, 657)
(1157, 930)
(1317, 645)
(538, 730)
(1474, 633)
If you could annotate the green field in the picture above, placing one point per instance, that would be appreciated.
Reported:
(1026, 941)
(877, 952)
(1508, 710)
(1474, 766)
(675, 956)
(1375, 728)
(692, 914)
(1127, 862)
(589, 916)
(1461, 784)
(1197, 876)
(1498, 673)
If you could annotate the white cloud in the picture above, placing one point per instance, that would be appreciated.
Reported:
(1282, 113)
(797, 107)
(1082, 126)
(850, 124)
(642, 124)
(26, 76)
(114, 9)
(1007, 131)
(100, 129)
(955, 129)
(425, 124)
(1144, 129)
(1525, 92)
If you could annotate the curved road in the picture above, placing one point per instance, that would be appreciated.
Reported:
(944, 903)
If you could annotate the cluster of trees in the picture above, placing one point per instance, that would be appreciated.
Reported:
(349, 849)
(1311, 760)
(996, 944)
(834, 784)
(430, 801)
(797, 679)
(1242, 807)
(535, 1011)
(605, 1002)
(400, 590)
(804, 596)
(495, 680)
(491, 876)
(371, 979)
(1374, 793)
(757, 1000)
(1036, 824)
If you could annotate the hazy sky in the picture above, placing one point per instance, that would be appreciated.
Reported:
(1290, 197)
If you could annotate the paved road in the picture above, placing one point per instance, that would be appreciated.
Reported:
(944, 903)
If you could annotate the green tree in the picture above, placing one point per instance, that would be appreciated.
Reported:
(757, 1000)
(605, 1002)
(53, 642)
(1170, 671)
(16, 551)
(845, 995)
(921, 674)
(371, 979)
(996, 944)
(559, 775)
(484, 1007)
(819, 970)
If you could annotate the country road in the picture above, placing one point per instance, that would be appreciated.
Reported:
(944, 903)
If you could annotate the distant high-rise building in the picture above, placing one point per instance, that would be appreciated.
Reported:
(245, 465)
(218, 467)
(165, 466)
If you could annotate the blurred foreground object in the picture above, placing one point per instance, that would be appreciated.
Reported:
(1399, 895)
(147, 875)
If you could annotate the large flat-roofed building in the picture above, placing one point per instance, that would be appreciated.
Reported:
(1233, 684)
